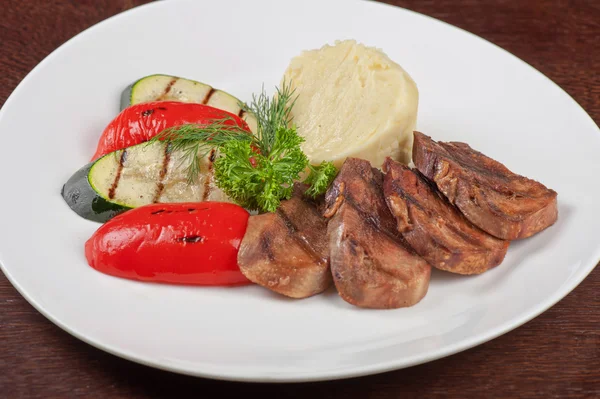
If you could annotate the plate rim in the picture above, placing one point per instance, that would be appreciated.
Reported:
(332, 374)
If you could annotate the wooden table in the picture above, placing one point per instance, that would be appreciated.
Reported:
(555, 355)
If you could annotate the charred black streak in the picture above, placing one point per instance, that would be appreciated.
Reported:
(292, 229)
(208, 96)
(148, 112)
(194, 210)
(113, 188)
(188, 210)
(163, 173)
(297, 236)
(265, 246)
(168, 89)
(191, 239)
(159, 189)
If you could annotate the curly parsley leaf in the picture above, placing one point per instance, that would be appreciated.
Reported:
(256, 181)
(319, 178)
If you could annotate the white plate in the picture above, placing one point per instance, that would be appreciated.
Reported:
(470, 91)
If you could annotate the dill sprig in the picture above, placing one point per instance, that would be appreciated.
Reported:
(271, 114)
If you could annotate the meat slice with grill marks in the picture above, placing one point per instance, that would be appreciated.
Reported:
(371, 265)
(286, 251)
(436, 229)
(500, 202)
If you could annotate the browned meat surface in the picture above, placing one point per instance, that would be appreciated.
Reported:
(493, 198)
(286, 251)
(436, 229)
(371, 266)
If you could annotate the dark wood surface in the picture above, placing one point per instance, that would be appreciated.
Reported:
(555, 355)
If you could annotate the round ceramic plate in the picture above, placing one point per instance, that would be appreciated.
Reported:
(470, 90)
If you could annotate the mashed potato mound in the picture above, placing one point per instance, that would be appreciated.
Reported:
(353, 101)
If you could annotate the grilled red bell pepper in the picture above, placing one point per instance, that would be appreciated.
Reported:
(139, 123)
(178, 243)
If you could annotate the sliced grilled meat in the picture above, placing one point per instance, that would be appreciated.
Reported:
(436, 229)
(287, 251)
(500, 202)
(371, 265)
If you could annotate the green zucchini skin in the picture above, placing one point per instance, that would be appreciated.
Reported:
(126, 96)
(85, 201)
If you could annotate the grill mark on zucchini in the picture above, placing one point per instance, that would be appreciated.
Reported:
(241, 113)
(168, 89)
(163, 172)
(208, 95)
(113, 188)
(209, 174)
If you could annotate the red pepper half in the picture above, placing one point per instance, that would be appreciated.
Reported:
(139, 123)
(179, 243)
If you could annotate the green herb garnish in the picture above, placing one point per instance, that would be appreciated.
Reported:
(256, 170)
(319, 178)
